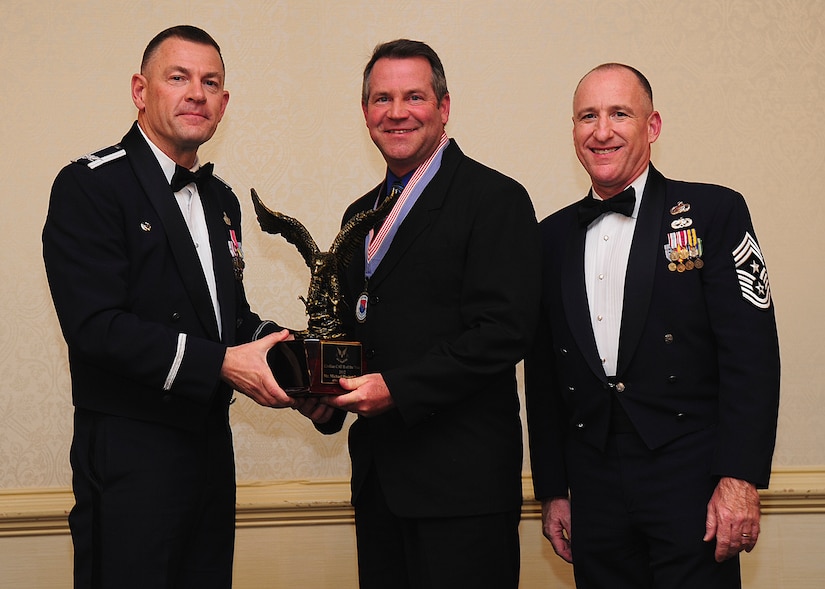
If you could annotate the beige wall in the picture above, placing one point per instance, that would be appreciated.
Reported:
(738, 84)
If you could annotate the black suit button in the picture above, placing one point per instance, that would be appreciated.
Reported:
(671, 379)
(680, 416)
(175, 316)
(580, 425)
(563, 351)
(572, 389)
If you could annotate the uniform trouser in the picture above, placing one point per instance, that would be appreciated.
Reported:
(638, 515)
(154, 505)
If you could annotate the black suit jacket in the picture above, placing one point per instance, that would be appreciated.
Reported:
(451, 312)
(694, 351)
(126, 282)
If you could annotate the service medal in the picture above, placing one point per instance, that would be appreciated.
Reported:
(361, 307)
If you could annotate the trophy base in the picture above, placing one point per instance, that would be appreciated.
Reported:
(312, 367)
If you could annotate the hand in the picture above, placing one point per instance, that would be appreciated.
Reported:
(245, 368)
(368, 396)
(733, 518)
(555, 520)
(315, 408)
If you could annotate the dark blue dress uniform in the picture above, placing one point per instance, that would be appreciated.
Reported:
(152, 451)
(696, 391)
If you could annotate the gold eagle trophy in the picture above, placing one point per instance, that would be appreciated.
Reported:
(322, 353)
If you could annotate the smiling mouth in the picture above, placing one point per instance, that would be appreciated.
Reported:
(604, 151)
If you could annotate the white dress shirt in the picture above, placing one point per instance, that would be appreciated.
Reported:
(606, 252)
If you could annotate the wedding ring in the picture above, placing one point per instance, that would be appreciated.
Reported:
(746, 535)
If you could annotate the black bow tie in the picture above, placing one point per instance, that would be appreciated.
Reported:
(182, 176)
(590, 208)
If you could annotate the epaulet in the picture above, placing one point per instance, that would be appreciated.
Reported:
(222, 181)
(103, 156)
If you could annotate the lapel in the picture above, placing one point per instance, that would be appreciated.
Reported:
(151, 178)
(355, 271)
(641, 267)
(421, 214)
(574, 297)
(221, 263)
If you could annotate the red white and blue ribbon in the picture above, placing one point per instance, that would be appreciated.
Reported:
(376, 246)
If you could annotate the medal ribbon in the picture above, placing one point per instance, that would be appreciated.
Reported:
(377, 245)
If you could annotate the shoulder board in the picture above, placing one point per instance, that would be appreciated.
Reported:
(103, 156)
(222, 181)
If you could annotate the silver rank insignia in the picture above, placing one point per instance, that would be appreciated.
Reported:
(103, 156)
(752, 273)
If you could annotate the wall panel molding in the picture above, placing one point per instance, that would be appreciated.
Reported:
(42, 512)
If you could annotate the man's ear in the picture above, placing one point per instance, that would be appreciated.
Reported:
(138, 88)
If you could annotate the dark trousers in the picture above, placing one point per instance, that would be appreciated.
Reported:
(638, 515)
(480, 551)
(154, 505)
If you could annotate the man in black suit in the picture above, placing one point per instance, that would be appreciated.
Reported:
(653, 384)
(444, 300)
(147, 284)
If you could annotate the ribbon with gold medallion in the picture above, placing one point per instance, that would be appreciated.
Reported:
(683, 251)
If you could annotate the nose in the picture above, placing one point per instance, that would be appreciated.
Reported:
(195, 91)
(604, 129)
(397, 109)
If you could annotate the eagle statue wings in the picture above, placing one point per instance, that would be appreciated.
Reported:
(323, 298)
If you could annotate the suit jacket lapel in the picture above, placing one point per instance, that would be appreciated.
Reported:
(574, 298)
(221, 263)
(157, 190)
(641, 267)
